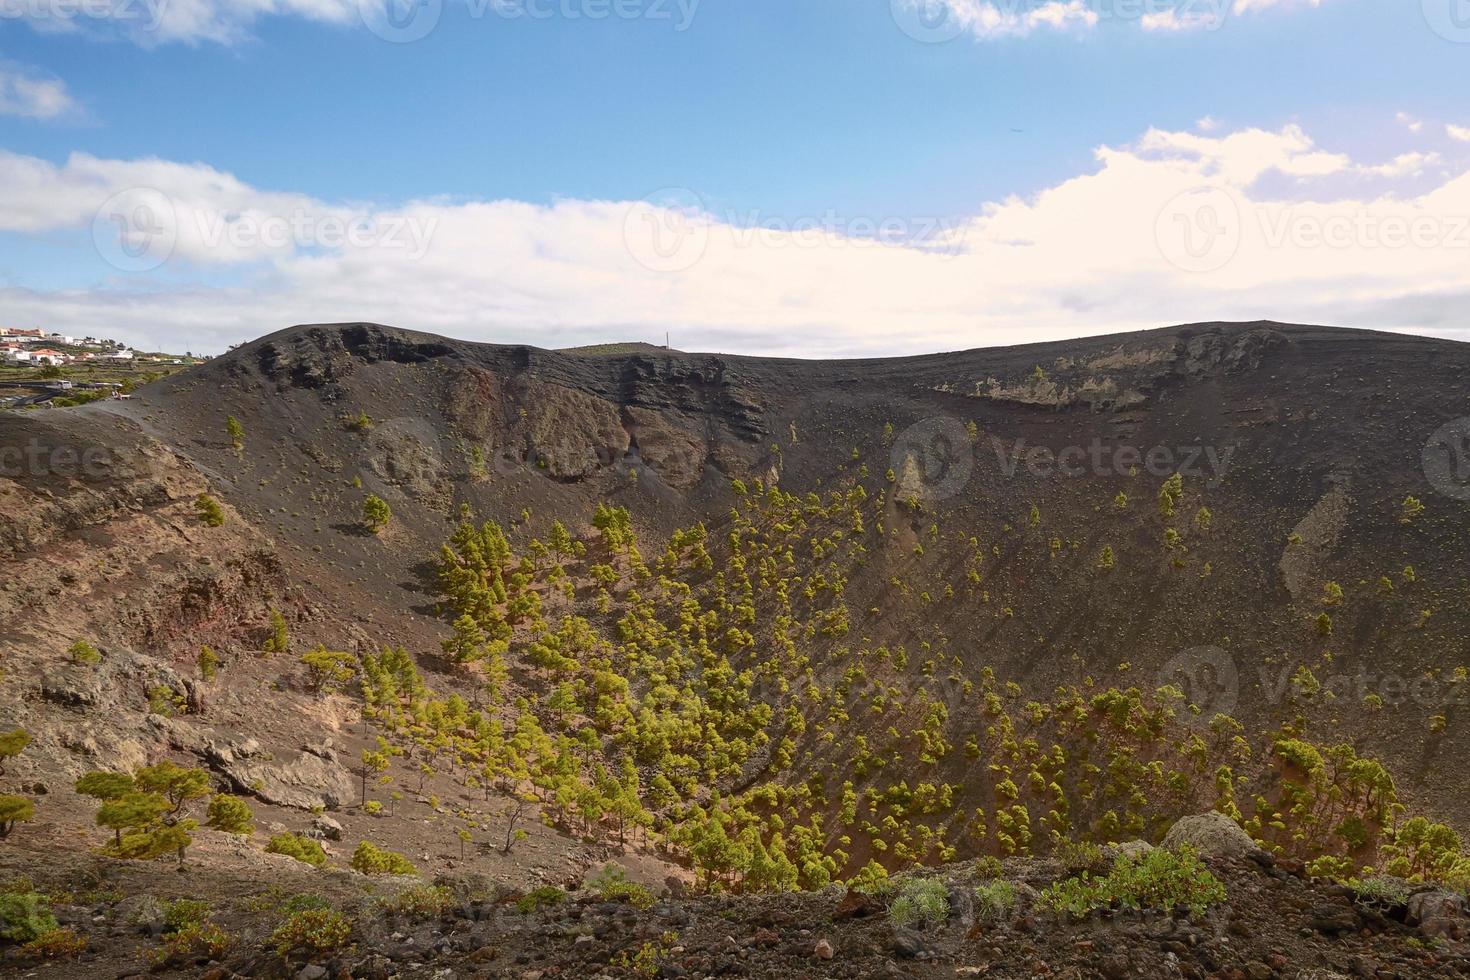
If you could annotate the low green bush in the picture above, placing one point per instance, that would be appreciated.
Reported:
(303, 849)
(921, 902)
(24, 917)
(541, 898)
(57, 944)
(183, 913)
(373, 860)
(1161, 879)
(995, 901)
(313, 933)
(611, 884)
(423, 902)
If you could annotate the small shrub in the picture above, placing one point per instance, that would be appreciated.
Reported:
(197, 940)
(995, 901)
(303, 849)
(312, 932)
(12, 744)
(1076, 855)
(230, 815)
(278, 640)
(57, 944)
(210, 512)
(373, 860)
(872, 879)
(14, 810)
(423, 902)
(989, 867)
(611, 884)
(164, 700)
(545, 897)
(183, 913)
(236, 432)
(82, 652)
(921, 902)
(24, 917)
(376, 513)
(303, 902)
(208, 664)
(328, 670)
(1381, 893)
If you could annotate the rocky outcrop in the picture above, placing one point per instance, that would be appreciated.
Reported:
(307, 782)
(1212, 835)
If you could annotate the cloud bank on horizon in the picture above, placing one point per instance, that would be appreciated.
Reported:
(1175, 227)
(1218, 222)
(159, 22)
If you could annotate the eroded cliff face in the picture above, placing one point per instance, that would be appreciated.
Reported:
(1127, 375)
(102, 541)
(101, 536)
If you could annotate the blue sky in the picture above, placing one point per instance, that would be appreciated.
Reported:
(762, 112)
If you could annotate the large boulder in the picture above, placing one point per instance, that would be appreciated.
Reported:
(1211, 835)
(1440, 914)
(306, 783)
(1137, 850)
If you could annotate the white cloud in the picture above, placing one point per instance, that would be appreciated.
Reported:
(154, 22)
(1405, 165)
(1172, 228)
(1189, 16)
(998, 19)
(1409, 122)
(1250, 6)
(1460, 133)
(25, 94)
(991, 19)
